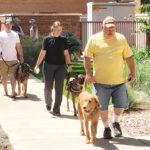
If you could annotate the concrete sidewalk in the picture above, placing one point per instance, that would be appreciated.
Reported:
(31, 127)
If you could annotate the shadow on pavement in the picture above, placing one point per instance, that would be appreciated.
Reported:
(69, 117)
(108, 144)
(31, 97)
(64, 116)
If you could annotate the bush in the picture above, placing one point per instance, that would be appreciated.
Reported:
(137, 99)
(31, 50)
(74, 45)
(141, 55)
(138, 92)
(142, 81)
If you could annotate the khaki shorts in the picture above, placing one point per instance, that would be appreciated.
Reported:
(9, 68)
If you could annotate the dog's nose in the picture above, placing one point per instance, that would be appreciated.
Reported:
(84, 107)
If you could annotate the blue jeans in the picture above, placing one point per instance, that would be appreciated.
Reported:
(53, 73)
(117, 92)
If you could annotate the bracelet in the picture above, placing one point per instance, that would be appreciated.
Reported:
(69, 64)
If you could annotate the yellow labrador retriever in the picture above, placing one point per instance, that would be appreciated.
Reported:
(88, 110)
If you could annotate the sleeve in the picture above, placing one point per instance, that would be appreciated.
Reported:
(44, 45)
(127, 52)
(17, 38)
(66, 44)
(89, 49)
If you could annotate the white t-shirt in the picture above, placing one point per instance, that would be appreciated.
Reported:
(8, 45)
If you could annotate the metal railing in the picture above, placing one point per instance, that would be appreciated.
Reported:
(127, 28)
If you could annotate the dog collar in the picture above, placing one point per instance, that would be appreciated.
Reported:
(75, 90)
(94, 112)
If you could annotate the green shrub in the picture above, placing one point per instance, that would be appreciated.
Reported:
(145, 8)
(74, 56)
(139, 90)
(74, 45)
(137, 99)
(141, 55)
(142, 80)
(31, 50)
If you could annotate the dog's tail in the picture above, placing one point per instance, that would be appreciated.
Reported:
(85, 85)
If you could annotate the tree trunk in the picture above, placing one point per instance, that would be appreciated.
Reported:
(147, 39)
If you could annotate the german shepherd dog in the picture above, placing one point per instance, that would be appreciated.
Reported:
(22, 74)
(74, 86)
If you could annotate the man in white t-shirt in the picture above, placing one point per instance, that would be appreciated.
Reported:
(10, 47)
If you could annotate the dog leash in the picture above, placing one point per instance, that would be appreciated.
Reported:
(8, 65)
(6, 62)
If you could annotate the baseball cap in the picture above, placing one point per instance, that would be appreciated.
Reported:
(31, 20)
(16, 19)
(7, 21)
(109, 22)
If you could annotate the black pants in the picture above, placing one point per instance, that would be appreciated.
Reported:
(53, 73)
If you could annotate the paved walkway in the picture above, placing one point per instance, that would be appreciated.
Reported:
(31, 127)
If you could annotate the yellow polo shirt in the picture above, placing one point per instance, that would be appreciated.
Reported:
(108, 55)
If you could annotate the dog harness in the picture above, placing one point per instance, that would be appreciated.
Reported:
(74, 86)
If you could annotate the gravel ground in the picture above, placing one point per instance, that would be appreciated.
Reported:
(134, 123)
(4, 141)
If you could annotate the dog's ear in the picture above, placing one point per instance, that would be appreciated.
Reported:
(77, 75)
(30, 71)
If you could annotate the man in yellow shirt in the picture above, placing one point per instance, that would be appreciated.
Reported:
(108, 50)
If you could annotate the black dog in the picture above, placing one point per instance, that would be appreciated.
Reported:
(74, 86)
(22, 75)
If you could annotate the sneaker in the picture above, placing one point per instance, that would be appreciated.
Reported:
(107, 133)
(116, 129)
(57, 114)
(13, 95)
(48, 107)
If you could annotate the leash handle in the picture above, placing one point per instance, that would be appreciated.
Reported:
(68, 75)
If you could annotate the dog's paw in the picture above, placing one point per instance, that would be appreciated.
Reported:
(87, 141)
(82, 133)
(93, 140)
